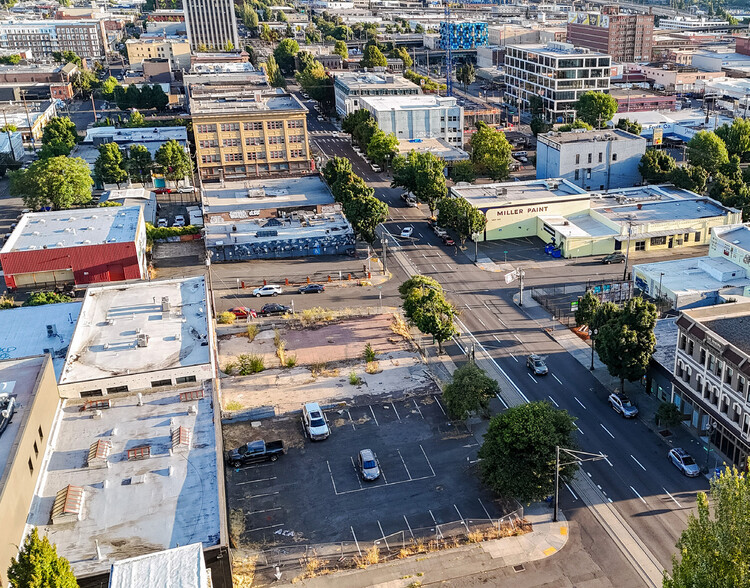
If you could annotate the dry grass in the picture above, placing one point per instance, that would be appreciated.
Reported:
(373, 367)
(243, 570)
(281, 351)
(233, 405)
(252, 332)
(321, 370)
(369, 558)
(236, 525)
(399, 326)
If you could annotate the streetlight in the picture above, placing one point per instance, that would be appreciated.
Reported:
(593, 337)
(574, 454)
(661, 275)
(711, 428)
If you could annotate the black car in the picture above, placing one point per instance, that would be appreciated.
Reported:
(273, 308)
(312, 289)
(614, 258)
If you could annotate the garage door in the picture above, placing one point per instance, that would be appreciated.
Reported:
(34, 279)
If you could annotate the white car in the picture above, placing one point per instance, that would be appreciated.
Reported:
(179, 221)
(186, 190)
(162, 222)
(334, 134)
(406, 232)
(412, 202)
(320, 118)
(268, 290)
(376, 168)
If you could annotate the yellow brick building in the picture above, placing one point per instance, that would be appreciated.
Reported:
(176, 50)
(245, 134)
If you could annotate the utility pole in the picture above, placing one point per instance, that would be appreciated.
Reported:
(10, 143)
(521, 274)
(28, 121)
(627, 252)
(575, 459)
(383, 242)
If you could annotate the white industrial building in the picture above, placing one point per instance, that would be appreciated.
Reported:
(425, 116)
(350, 87)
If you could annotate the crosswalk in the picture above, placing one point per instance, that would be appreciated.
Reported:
(330, 140)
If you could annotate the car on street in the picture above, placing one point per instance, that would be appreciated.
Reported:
(255, 452)
(622, 404)
(537, 365)
(162, 222)
(321, 119)
(682, 460)
(243, 312)
(179, 221)
(412, 202)
(273, 308)
(314, 422)
(440, 232)
(376, 168)
(268, 290)
(369, 468)
(162, 190)
(447, 240)
(186, 190)
(334, 134)
(406, 195)
(613, 258)
(312, 289)
(406, 232)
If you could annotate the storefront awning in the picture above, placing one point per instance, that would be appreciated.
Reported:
(665, 233)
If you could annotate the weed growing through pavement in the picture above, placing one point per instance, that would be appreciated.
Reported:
(252, 332)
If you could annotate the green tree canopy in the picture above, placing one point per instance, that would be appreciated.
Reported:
(463, 171)
(518, 453)
(42, 298)
(539, 125)
(173, 162)
(365, 213)
(136, 120)
(382, 148)
(59, 182)
(736, 137)
(596, 108)
(630, 126)
(466, 74)
(470, 390)
(314, 80)
(340, 48)
(108, 87)
(705, 149)
(422, 174)
(353, 120)
(588, 305)
(373, 57)
(85, 82)
(66, 57)
(690, 178)
(462, 217)
(38, 565)
(335, 168)
(61, 132)
(426, 307)
(491, 152)
(273, 73)
(139, 164)
(109, 168)
(285, 53)
(656, 166)
(402, 54)
(576, 124)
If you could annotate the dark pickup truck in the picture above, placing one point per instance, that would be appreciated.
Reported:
(254, 452)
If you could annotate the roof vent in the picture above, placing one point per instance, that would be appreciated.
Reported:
(99, 452)
(140, 452)
(182, 438)
(68, 505)
(142, 340)
(193, 409)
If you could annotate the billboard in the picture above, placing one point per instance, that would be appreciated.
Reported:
(593, 19)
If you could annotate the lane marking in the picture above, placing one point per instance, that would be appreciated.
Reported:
(409, 527)
(254, 481)
(606, 429)
(579, 402)
(481, 321)
(639, 496)
(571, 491)
(440, 405)
(330, 473)
(373, 416)
(427, 459)
(356, 473)
(462, 518)
(638, 462)
(373, 487)
(262, 495)
(260, 511)
(467, 307)
(434, 269)
(501, 400)
(514, 358)
(517, 339)
(672, 497)
(436, 524)
(553, 401)
(558, 379)
(394, 410)
(607, 460)
(532, 377)
(351, 420)
(502, 322)
(404, 463)
(355, 541)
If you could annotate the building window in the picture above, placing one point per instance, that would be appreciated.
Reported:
(697, 236)
(275, 124)
(588, 174)
(686, 237)
(703, 356)
(295, 124)
(577, 174)
(184, 379)
(233, 157)
(590, 156)
(41, 435)
(227, 127)
(253, 126)
(719, 367)
(158, 383)
(276, 154)
(230, 142)
(740, 384)
(601, 155)
(710, 364)
(640, 246)
(296, 153)
(31, 467)
(690, 348)
(683, 342)
(206, 128)
(90, 393)
(614, 157)
(578, 158)
(253, 141)
(276, 140)
(116, 389)
(728, 373)
(658, 241)
(36, 450)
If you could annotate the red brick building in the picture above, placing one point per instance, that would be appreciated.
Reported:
(628, 38)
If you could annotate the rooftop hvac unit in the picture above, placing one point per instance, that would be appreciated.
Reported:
(51, 330)
(165, 306)
(142, 340)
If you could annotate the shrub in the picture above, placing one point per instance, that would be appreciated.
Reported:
(249, 364)
(291, 361)
(252, 332)
(7, 302)
(42, 298)
(156, 233)
(225, 318)
(233, 405)
(354, 379)
(369, 353)
(668, 415)
(108, 203)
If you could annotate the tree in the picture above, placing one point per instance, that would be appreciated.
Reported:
(490, 152)
(13, 59)
(9, 127)
(363, 134)
(382, 148)
(630, 126)
(335, 168)
(536, 105)
(596, 108)
(463, 171)
(690, 178)
(588, 305)
(470, 390)
(705, 149)
(108, 87)
(251, 19)
(715, 551)
(66, 57)
(61, 132)
(85, 81)
(136, 120)
(273, 73)
(427, 309)
(668, 415)
(42, 298)
(108, 168)
(462, 217)
(354, 119)
(402, 54)
(576, 124)
(422, 174)
(340, 48)
(285, 53)
(139, 164)
(518, 453)
(315, 81)
(53, 149)
(736, 137)
(656, 166)
(158, 99)
(38, 565)
(466, 74)
(365, 213)
(625, 340)
(539, 125)
(172, 160)
(59, 182)
(373, 57)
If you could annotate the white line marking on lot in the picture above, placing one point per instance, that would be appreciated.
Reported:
(553, 401)
(439, 405)
(467, 306)
(384, 485)
(481, 321)
(556, 378)
(383, 535)
(268, 527)
(356, 473)
(253, 467)
(351, 420)
(517, 339)
(638, 462)
(409, 527)
(394, 410)
(254, 481)
(672, 497)
(428, 461)
(423, 255)
(532, 377)
(484, 509)
(514, 358)
(404, 463)
(330, 473)
(437, 527)
(486, 306)
(579, 402)
(382, 473)
(355, 541)
(450, 269)
(417, 407)
(260, 511)
(262, 495)
(605, 459)
(373, 416)
(639, 496)
(606, 429)
(420, 235)
(571, 491)
(500, 398)
(462, 518)
(579, 429)
(434, 269)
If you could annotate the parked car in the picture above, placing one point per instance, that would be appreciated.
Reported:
(376, 168)
(162, 190)
(622, 404)
(314, 422)
(440, 232)
(179, 221)
(334, 134)
(186, 190)
(162, 222)
(243, 312)
(613, 258)
(268, 290)
(255, 452)
(412, 202)
(537, 365)
(406, 232)
(312, 289)
(447, 240)
(369, 468)
(405, 196)
(273, 308)
(321, 119)
(684, 462)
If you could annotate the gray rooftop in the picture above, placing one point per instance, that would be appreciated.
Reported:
(557, 50)
(243, 101)
(269, 230)
(360, 80)
(738, 235)
(507, 193)
(74, 228)
(666, 333)
(695, 275)
(137, 135)
(649, 212)
(734, 329)
(132, 507)
(264, 194)
(584, 136)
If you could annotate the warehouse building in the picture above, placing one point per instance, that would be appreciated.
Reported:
(83, 246)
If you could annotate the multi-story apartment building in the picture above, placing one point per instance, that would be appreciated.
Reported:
(681, 23)
(627, 38)
(87, 39)
(211, 25)
(176, 49)
(241, 133)
(711, 376)
(558, 73)
(348, 87)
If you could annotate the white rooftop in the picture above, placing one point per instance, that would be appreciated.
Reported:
(137, 135)
(23, 331)
(112, 317)
(506, 193)
(439, 147)
(695, 275)
(74, 228)
(413, 102)
(132, 507)
(180, 567)
(738, 235)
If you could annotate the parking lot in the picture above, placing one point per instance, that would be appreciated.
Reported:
(428, 483)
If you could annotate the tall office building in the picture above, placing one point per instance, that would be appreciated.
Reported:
(211, 24)
(628, 38)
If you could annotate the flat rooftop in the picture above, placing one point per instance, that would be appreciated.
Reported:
(733, 327)
(181, 567)
(137, 135)
(584, 225)
(74, 228)
(310, 228)
(508, 193)
(674, 210)
(583, 136)
(417, 101)
(132, 507)
(239, 197)
(557, 50)
(738, 235)
(666, 333)
(360, 80)
(112, 317)
(439, 147)
(243, 101)
(691, 275)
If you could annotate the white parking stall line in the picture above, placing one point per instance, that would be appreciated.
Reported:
(579, 402)
(639, 496)
(484, 509)
(579, 429)
(261, 528)
(423, 255)
(605, 459)
(462, 518)
(502, 322)
(571, 491)
(606, 429)
(250, 512)
(330, 473)
(420, 235)
(417, 407)
(486, 306)
(373, 487)
(355, 541)
(467, 306)
(254, 481)
(356, 473)
(439, 405)
(437, 527)
(517, 339)
(672, 497)
(553, 401)
(638, 462)
(373, 416)
(482, 322)
(262, 495)
(408, 526)
(427, 459)
(450, 269)
(394, 410)
(434, 269)
(253, 467)
(532, 377)
(404, 463)
(514, 358)
(383, 535)
(382, 473)
(556, 378)
(351, 420)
